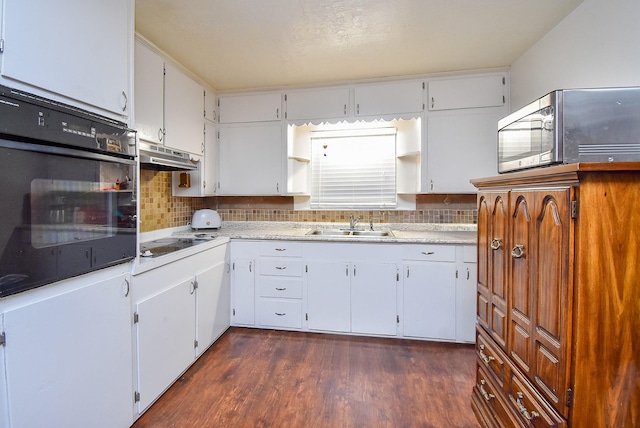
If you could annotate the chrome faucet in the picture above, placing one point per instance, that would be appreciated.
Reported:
(353, 222)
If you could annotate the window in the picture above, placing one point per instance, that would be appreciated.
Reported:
(353, 168)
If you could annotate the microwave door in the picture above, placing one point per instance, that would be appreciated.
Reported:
(520, 144)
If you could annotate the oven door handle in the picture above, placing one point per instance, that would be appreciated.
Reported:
(64, 151)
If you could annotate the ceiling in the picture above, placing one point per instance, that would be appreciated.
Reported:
(261, 44)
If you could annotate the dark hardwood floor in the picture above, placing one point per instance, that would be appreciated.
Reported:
(262, 378)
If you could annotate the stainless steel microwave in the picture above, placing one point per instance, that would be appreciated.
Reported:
(572, 125)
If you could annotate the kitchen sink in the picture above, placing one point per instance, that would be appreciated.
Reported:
(351, 233)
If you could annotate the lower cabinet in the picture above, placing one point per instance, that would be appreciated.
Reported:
(67, 357)
(394, 290)
(180, 309)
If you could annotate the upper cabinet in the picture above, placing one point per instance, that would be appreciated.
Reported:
(149, 94)
(319, 104)
(467, 92)
(169, 105)
(388, 98)
(78, 50)
(250, 108)
(183, 111)
(210, 112)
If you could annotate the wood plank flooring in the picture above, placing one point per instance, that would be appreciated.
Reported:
(262, 378)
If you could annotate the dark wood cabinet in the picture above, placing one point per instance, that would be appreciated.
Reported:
(558, 334)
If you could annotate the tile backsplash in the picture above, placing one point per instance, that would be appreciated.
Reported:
(159, 209)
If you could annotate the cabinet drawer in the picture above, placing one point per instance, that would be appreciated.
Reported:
(437, 253)
(281, 313)
(490, 356)
(281, 249)
(278, 286)
(281, 267)
(530, 407)
(492, 398)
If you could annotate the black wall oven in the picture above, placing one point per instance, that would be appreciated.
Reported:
(67, 186)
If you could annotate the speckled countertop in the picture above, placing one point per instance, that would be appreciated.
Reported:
(425, 233)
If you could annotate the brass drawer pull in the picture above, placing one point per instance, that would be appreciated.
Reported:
(487, 396)
(496, 243)
(523, 410)
(486, 359)
(517, 251)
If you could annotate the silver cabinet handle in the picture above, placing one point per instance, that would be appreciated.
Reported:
(281, 249)
(281, 267)
(428, 253)
(281, 314)
(126, 281)
(281, 289)
(433, 102)
(517, 251)
(126, 101)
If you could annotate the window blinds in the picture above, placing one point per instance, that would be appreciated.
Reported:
(353, 169)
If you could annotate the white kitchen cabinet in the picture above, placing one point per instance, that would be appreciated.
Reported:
(429, 300)
(328, 296)
(265, 107)
(280, 285)
(467, 92)
(319, 104)
(203, 180)
(466, 286)
(183, 111)
(149, 94)
(352, 287)
(213, 298)
(180, 308)
(67, 357)
(250, 160)
(243, 288)
(388, 98)
(165, 329)
(79, 50)
(461, 145)
(373, 298)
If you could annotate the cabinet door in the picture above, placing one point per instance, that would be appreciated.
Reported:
(68, 358)
(76, 49)
(328, 296)
(250, 108)
(539, 329)
(213, 298)
(250, 160)
(165, 339)
(493, 214)
(183, 111)
(243, 292)
(323, 103)
(430, 300)
(388, 98)
(210, 160)
(149, 92)
(467, 92)
(373, 298)
(461, 146)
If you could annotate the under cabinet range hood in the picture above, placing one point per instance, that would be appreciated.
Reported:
(160, 158)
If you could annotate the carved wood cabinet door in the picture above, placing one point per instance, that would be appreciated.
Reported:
(493, 213)
(540, 290)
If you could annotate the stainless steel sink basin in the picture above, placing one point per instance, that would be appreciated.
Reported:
(351, 233)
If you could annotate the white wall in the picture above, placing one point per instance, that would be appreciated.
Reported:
(597, 45)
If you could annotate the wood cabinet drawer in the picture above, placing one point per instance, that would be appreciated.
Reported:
(490, 396)
(281, 313)
(281, 287)
(490, 356)
(436, 253)
(281, 267)
(281, 249)
(530, 407)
